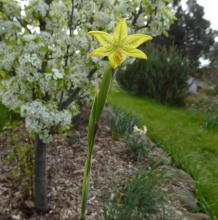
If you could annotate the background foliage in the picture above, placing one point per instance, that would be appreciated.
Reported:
(163, 76)
(191, 32)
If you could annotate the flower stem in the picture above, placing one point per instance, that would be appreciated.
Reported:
(96, 110)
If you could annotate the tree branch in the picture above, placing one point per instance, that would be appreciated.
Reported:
(70, 99)
(24, 24)
(137, 28)
(74, 93)
(42, 26)
(138, 14)
(66, 56)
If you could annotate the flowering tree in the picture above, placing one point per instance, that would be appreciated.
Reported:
(46, 69)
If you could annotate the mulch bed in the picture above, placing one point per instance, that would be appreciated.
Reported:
(111, 168)
(65, 162)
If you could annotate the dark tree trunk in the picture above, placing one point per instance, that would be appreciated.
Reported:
(40, 196)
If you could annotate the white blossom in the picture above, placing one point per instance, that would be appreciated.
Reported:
(44, 65)
(39, 118)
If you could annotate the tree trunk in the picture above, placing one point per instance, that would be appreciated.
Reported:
(40, 196)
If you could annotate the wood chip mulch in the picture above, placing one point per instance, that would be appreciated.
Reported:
(65, 162)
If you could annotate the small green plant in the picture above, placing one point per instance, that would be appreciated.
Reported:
(138, 144)
(139, 197)
(121, 123)
(20, 157)
(211, 121)
(137, 148)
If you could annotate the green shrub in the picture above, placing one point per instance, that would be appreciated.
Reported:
(137, 199)
(209, 89)
(163, 76)
(121, 123)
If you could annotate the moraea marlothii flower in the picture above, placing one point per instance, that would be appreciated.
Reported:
(119, 45)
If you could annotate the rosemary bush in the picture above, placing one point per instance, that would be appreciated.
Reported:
(162, 77)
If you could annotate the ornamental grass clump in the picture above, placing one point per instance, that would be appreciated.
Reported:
(139, 197)
(121, 123)
(116, 47)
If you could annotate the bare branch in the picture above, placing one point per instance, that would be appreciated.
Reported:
(24, 24)
(137, 28)
(138, 14)
(74, 93)
(70, 99)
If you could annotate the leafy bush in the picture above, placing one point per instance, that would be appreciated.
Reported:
(137, 199)
(209, 89)
(163, 76)
(121, 123)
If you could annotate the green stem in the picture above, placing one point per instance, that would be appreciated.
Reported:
(96, 110)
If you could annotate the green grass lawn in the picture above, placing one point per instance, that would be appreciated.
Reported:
(181, 133)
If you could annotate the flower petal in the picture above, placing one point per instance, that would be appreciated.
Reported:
(120, 31)
(102, 51)
(116, 58)
(104, 38)
(132, 52)
(136, 40)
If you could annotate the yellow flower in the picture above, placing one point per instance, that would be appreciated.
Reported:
(119, 45)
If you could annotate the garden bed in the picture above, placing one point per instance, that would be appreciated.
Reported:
(112, 167)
